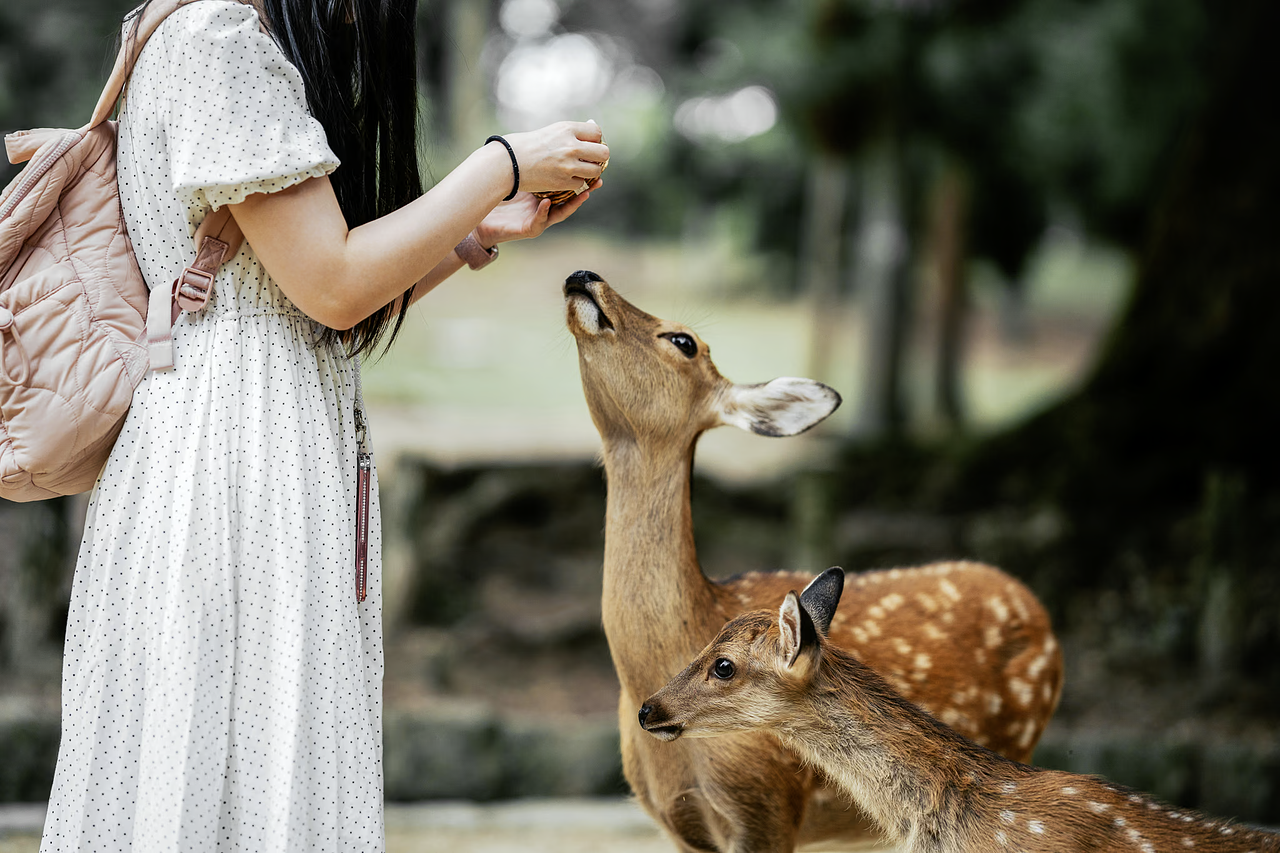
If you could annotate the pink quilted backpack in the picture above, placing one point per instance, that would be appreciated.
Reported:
(75, 338)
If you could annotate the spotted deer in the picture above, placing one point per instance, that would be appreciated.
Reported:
(929, 788)
(964, 640)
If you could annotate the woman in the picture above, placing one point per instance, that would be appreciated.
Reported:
(222, 679)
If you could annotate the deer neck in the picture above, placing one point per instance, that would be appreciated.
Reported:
(913, 776)
(658, 607)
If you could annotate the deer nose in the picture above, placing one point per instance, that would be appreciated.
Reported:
(645, 710)
(581, 277)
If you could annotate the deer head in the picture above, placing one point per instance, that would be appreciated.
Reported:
(648, 379)
(753, 673)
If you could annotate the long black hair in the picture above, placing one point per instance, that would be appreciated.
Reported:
(358, 61)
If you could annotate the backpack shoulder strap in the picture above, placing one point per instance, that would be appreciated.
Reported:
(144, 26)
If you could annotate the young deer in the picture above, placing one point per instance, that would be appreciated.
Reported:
(929, 788)
(964, 640)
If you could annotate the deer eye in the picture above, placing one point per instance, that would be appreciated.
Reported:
(722, 669)
(683, 342)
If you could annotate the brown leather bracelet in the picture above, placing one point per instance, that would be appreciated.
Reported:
(475, 255)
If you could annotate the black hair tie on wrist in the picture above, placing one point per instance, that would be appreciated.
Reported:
(515, 167)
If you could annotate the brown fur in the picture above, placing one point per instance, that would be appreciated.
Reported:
(931, 789)
(964, 639)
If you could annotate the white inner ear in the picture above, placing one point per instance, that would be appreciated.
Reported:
(789, 624)
(785, 406)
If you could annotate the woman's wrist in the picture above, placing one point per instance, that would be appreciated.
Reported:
(485, 237)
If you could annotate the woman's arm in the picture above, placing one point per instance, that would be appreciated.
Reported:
(338, 276)
(523, 217)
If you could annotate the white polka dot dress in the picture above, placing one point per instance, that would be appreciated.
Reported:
(222, 685)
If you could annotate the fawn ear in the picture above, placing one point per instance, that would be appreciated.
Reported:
(821, 597)
(798, 632)
(785, 406)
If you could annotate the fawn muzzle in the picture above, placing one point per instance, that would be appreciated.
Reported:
(654, 720)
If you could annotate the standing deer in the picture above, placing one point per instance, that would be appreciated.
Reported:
(964, 640)
(931, 790)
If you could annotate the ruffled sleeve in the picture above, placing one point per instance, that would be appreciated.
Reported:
(237, 120)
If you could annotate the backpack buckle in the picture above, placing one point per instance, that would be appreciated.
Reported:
(191, 289)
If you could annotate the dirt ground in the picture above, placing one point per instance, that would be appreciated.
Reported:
(527, 826)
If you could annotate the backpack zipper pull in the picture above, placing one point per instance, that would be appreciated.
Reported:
(364, 474)
(364, 481)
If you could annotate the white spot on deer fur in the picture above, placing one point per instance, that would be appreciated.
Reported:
(928, 602)
(1028, 734)
(872, 628)
(1037, 666)
(901, 646)
(1001, 837)
(1009, 787)
(1119, 821)
(991, 636)
(1175, 815)
(1070, 791)
(1098, 808)
(980, 655)
(952, 717)
(949, 590)
(933, 632)
(1036, 826)
(1021, 692)
(999, 608)
(1187, 818)
(892, 601)
(1226, 830)
(1134, 798)
(860, 635)
(1007, 816)
(1147, 847)
(1046, 693)
(1188, 842)
(923, 661)
(875, 611)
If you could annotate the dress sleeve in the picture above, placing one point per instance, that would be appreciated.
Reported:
(237, 120)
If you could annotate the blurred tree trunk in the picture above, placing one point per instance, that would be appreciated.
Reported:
(949, 249)
(825, 202)
(881, 268)
(1185, 390)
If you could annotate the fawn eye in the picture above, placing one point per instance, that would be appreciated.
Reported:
(722, 669)
(683, 342)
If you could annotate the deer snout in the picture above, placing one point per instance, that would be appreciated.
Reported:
(655, 721)
(581, 295)
(580, 279)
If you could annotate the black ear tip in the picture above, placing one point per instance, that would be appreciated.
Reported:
(835, 574)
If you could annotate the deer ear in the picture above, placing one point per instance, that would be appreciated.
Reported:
(797, 629)
(783, 407)
(821, 597)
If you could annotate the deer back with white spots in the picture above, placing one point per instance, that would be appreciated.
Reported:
(964, 640)
(929, 788)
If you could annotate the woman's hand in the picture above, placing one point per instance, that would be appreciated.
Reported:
(559, 156)
(526, 216)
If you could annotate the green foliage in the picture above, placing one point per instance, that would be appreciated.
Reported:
(54, 58)
(1051, 105)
